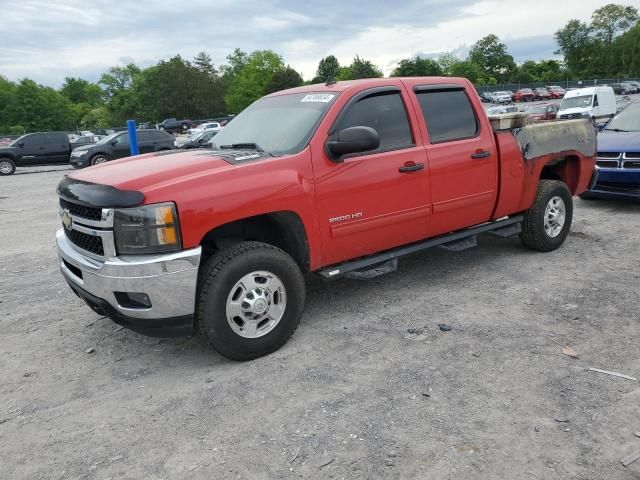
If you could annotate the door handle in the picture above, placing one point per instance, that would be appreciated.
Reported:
(480, 154)
(411, 167)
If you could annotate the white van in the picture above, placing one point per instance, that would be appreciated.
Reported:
(598, 103)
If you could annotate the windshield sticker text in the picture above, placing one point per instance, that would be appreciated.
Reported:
(318, 97)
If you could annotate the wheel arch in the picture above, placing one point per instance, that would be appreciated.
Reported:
(282, 229)
(565, 168)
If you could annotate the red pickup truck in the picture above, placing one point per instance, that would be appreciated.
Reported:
(339, 179)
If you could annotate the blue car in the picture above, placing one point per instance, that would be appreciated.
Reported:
(618, 159)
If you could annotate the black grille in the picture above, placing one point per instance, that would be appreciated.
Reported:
(631, 164)
(567, 116)
(607, 163)
(632, 155)
(90, 243)
(608, 155)
(77, 210)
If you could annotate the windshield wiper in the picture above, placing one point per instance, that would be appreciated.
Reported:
(243, 146)
(616, 130)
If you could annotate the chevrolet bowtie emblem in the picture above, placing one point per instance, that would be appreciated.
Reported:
(67, 220)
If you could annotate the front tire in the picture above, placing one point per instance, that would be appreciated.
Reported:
(546, 224)
(251, 299)
(98, 159)
(7, 166)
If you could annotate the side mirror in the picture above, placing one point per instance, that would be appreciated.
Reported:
(21, 144)
(114, 143)
(352, 140)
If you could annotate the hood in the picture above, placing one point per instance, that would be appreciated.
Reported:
(8, 149)
(569, 111)
(154, 171)
(609, 141)
(83, 148)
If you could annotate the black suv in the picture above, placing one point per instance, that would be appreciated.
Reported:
(33, 149)
(116, 146)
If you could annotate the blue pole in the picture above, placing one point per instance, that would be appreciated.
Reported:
(133, 137)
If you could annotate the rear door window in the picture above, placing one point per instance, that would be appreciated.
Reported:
(384, 113)
(448, 114)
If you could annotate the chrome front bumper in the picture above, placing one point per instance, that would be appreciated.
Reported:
(169, 280)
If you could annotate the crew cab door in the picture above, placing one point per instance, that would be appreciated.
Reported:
(463, 157)
(378, 199)
(33, 149)
(58, 148)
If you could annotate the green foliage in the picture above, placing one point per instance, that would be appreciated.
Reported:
(490, 54)
(447, 61)
(78, 90)
(328, 68)
(97, 117)
(417, 67)
(360, 68)
(252, 79)
(468, 70)
(283, 79)
(16, 130)
(607, 47)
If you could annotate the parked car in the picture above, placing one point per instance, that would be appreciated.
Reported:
(632, 86)
(85, 140)
(220, 240)
(597, 103)
(541, 94)
(618, 158)
(485, 97)
(501, 97)
(173, 125)
(545, 111)
(556, 91)
(117, 146)
(502, 109)
(621, 88)
(524, 95)
(33, 149)
(201, 140)
(202, 127)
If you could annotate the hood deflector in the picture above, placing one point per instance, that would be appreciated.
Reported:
(97, 195)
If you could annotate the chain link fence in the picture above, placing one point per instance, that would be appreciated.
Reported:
(566, 84)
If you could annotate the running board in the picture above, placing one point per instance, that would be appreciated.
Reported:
(365, 264)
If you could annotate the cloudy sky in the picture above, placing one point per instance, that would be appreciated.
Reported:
(49, 40)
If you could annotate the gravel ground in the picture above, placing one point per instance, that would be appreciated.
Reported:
(368, 387)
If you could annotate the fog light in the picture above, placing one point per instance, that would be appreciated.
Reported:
(133, 299)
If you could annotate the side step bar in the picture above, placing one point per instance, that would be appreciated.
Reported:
(455, 241)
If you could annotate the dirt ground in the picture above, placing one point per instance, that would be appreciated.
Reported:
(368, 387)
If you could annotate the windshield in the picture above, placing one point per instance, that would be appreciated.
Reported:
(536, 110)
(108, 138)
(627, 120)
(583, 101)
(279, 125)
(502, 93)
(17, 141)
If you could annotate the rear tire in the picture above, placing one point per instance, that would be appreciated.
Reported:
(251, 299)
(7, 166)
(547, 223)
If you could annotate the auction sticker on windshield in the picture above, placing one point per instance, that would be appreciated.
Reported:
(318, 97)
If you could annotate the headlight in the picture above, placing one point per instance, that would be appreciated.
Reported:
(147, 229)
(75, 153)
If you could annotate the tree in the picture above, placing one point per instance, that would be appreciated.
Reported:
(78, 90)
(97, 117)
(283, 79)
(468, 70)
(328, 68)
(417, 67)
(612, 19)
(576, 45)
(251, 80)
(360, 68)
(118, 78)
(490, 54)
(447, 61)
(203, 64)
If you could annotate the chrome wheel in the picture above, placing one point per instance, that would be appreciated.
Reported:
(554, 216)
(98, 160)
(5, 167)
(256, 304)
